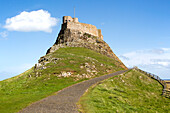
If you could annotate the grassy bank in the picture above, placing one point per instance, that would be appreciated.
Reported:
(22, 90)
(128, 93)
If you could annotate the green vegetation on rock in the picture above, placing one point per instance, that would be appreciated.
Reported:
(22, 90)
(131, 92)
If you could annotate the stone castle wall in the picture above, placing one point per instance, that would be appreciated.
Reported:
(72, 23)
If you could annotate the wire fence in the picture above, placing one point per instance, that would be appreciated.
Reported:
(165, 91)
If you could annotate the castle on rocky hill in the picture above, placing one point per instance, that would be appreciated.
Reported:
(76, 34)
(74, 24)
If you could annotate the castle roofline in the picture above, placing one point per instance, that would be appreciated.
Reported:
(74, 24)
(69, 19)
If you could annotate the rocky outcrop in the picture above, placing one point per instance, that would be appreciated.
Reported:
(75, 38)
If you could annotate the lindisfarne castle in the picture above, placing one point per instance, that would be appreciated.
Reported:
(76, 34)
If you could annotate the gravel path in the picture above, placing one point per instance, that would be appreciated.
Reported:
(65, 100)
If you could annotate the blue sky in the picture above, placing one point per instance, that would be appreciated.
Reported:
(138, 31)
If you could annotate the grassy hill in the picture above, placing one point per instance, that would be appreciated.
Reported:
(79, 63)
(127, 93)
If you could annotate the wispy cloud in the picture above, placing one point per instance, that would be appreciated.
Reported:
(3, 35)
(147, 57)
(39, 20)
(151, 59)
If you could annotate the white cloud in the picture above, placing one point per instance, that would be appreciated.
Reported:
(166, 49)
(164, 63)
(147, 57)
(153, 60)
(39, 20)
(4, 34)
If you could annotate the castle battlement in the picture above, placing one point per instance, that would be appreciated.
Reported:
(74, 24)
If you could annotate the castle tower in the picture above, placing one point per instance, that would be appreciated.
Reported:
(67, 19)
(74, 24)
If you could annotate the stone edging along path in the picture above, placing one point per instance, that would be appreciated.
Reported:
(65, 100)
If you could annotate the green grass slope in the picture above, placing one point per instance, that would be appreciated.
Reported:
(131, 92)
(22, 90)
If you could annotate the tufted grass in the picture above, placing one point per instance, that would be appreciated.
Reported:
(131, 92)
(20, 91)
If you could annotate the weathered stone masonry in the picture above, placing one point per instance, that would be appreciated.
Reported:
(72, 23)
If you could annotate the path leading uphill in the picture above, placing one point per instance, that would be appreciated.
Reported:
(65, 100)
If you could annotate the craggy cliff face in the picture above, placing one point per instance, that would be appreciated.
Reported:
(75, 38)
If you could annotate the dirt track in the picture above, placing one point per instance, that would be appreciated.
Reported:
(65, 100)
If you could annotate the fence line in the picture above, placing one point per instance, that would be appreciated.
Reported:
(165, 91)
